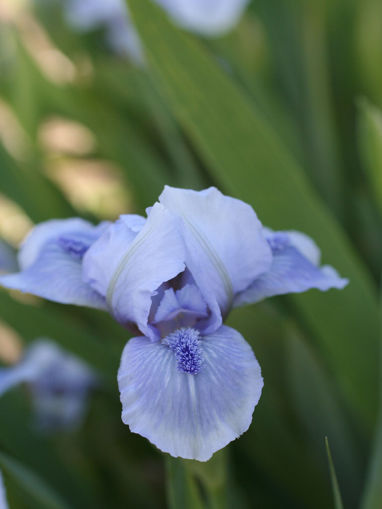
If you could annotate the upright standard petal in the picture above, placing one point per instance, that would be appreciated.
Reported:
(226, 248)
(209, 17)
(190, 395)
(3, 498)
(127, 267)
(101, 262)
(295, 269)
(51, 263)
(186, 300)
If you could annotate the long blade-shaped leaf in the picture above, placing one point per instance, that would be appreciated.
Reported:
(370, 141)
(317, 405)
(333, 477)
(372, 495)
(32, 484)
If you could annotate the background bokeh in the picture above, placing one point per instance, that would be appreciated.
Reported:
(282, 112)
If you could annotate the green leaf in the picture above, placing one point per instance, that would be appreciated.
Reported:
(303, 69)
(370, 144)
(143, 93)
(247, 159)
(372, 495)
(25, 185)
(336, 490)
(274, 436)
(32, 483)
(316, 403)
(182, 490)
(116, 133)
(373, 489)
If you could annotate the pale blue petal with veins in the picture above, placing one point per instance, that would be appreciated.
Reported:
(190, 414)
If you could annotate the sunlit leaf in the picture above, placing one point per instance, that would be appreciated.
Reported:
(31, 483)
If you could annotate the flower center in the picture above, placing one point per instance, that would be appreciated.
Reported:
(185, 344)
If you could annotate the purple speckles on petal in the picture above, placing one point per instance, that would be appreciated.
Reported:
(185, 344)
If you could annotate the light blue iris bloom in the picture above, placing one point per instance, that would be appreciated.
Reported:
(188, 383)
(3, 498)
(58, 382)
(207, 17)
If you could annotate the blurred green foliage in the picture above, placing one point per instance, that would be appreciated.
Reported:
(285, 113)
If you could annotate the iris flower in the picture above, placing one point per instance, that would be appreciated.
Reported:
(188, 382)
(58, 382)
(207, 17)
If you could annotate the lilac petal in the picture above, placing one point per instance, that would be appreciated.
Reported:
(127, 267)
(3, 498)
(182, 308)
(226, 248)
(51, 263)
(168, 305)
(184, 414)
(307, 247)
(294, 269)
(210, 17)
(187, 299)
(190, 298)
(103, 259)
(133, 221)
(42, 233)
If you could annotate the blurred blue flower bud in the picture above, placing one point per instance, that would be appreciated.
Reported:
(58, 382)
